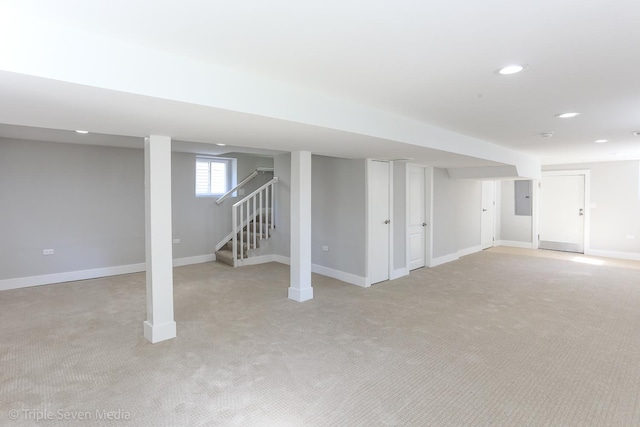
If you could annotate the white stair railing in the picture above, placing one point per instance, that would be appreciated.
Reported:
(243, 183)
(244, 213)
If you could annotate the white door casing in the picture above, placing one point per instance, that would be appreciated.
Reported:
(487, 222)
(417, 221)
(561, 212)
(379, 218)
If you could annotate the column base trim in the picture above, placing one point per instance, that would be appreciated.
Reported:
(300, 295)
(161, 332)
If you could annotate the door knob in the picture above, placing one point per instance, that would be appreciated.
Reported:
(581, 212)
(424, 224)
(484, 210)
(387, 221)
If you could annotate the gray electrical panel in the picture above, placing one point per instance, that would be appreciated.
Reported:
(523, 197)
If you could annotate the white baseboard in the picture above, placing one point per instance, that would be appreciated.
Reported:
(281, 259)
(515, 244)
(340, 275)
(255, 260)
(634, 256)
(71, 276)
(454, 257)
(444, 259)
(179, 262)
(398, 273)
(326, 271)
(469, 251)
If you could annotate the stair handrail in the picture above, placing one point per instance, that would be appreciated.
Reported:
(243, 183)
(266, 196)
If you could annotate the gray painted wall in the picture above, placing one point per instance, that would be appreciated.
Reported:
(469, 218)
(512, 227)
(615, 190)
(281, 240)
(338, 218)
(456, 213)
(399, 241)
(87, 203)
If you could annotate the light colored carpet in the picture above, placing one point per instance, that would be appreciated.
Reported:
(492, 339)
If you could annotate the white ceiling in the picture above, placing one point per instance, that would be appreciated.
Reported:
(433, 62)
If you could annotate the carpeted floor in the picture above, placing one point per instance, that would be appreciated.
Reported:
(496, 338)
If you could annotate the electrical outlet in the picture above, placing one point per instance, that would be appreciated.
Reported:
(176, 241)
(47, 252)
(324, 249)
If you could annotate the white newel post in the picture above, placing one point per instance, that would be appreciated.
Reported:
(159, 325)
(300, 288)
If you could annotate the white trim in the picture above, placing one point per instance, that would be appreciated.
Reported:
(300, 294)
(515, 244)
(161, 332)
(398, 273)
(73, 276)
(392, 222)
(281, 259)
(454, 257)
(469, 251)
(444, 259)
(635, 256)
(339, 275)
(199, 259)
(255, 260)
(70, 276)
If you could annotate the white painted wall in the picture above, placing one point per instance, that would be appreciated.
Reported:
(87, 203)
(512, 228)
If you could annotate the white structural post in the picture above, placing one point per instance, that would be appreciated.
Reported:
(159, 325)
(300, 289)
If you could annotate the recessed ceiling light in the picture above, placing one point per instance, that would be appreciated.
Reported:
(567, 115)
(512, 69)
(601, 141)
(546, 134)
(82, 131)
(635, 133)
(220, 144)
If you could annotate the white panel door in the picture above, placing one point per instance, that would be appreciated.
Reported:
(561, 213)
(417, 217)
(487, 224)
(379, 221)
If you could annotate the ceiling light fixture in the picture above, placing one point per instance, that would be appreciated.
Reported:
(601, 141)
(635, 133)
(512, 69)
(82, 131)
(567, 115)
(220, 144)
(546, 134)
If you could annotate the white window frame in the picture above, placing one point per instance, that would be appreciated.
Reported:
(231, 175)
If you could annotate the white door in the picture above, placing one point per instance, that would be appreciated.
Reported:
(561, 213)
(379, 221)
(487, 222)
(417, 217)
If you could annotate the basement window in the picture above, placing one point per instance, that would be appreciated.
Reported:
(214, 176)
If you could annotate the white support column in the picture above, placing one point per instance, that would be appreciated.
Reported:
(159, 325)
(300, 289)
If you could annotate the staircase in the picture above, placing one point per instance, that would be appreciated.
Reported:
(252, 221)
